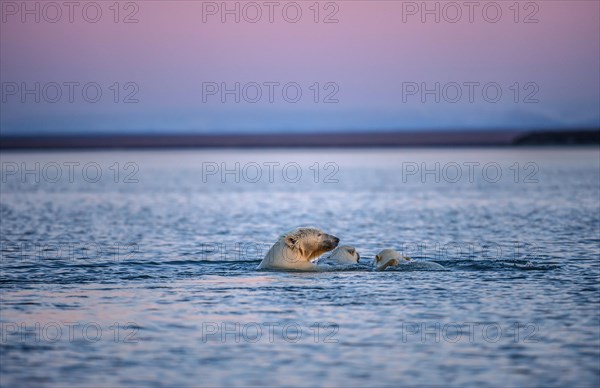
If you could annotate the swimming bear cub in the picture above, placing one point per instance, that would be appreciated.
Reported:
(344, 254)
(389, 258)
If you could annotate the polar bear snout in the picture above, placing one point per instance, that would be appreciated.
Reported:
(330, 242)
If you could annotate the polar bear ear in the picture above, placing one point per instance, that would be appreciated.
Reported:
(290, 241)
(377, 258)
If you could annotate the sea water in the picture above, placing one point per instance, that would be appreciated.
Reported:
(139, 268)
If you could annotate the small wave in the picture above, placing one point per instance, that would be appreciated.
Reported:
(497, 265)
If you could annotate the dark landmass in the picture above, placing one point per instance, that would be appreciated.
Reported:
(344, 139)
(560, 138)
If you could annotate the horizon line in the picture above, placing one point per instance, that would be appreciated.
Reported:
(354, 139)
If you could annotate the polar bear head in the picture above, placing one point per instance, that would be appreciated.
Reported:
(309, 242)
(344, 254)
(389, 258)
(295, 249)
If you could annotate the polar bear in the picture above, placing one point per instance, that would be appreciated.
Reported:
(344, 254)
(296, 249)
(389, 258)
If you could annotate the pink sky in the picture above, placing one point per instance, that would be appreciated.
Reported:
(370, 53)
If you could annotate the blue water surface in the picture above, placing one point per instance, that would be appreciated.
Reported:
(139, 268)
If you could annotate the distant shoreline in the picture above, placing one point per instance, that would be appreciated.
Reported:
(309, 140)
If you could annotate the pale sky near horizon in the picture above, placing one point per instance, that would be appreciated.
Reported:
(359, 65)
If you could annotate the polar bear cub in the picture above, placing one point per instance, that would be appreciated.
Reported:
(344, 254)
(389, 258)
(296, 249)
